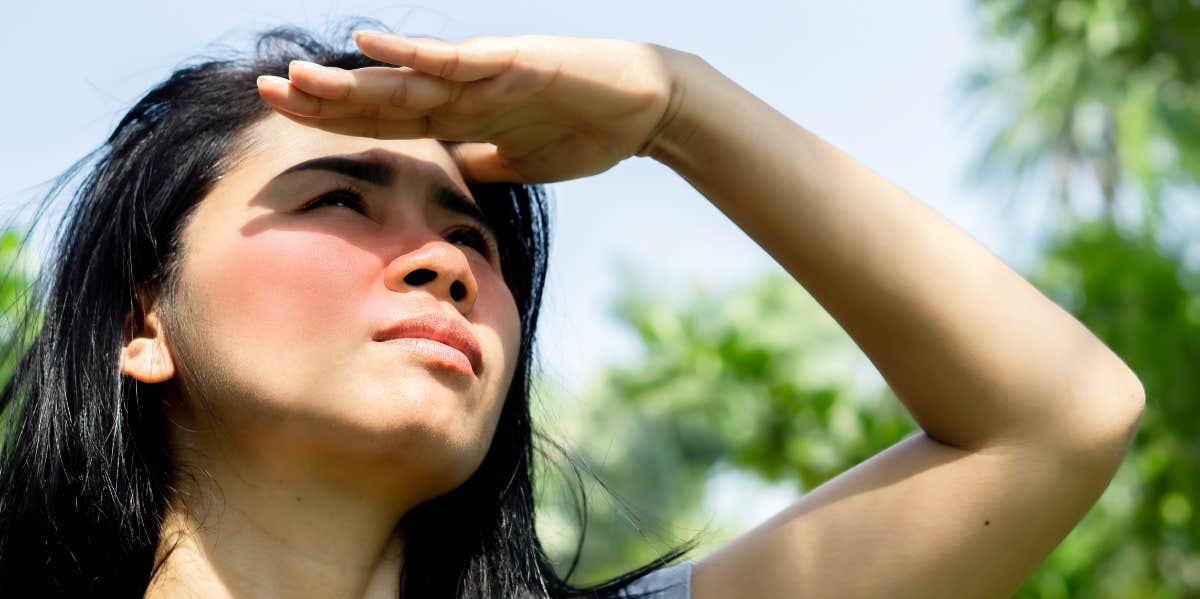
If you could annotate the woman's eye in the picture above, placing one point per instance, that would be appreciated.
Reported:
(348, 198)
(474, 238)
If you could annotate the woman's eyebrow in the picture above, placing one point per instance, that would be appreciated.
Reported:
(371, 171)
(444, 196)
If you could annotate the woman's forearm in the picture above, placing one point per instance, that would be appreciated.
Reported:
(975, 352)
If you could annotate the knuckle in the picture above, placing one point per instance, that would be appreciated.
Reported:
(343, 86)
(400, 93)
(371, 111)
(452, 64)
(456, 92)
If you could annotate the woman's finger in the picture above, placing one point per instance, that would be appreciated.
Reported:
(469, 60)
(420, 127)
(417, 128)
(389, 86)
(280, 95)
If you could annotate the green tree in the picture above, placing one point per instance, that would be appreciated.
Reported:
(1099, 89)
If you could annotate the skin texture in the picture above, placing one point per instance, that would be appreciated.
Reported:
(319, 437)
(1025, 414)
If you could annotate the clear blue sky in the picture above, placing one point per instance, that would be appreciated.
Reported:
(875, 77)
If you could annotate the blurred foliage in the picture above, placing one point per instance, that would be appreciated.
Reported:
(1109, 88)
(15, 283)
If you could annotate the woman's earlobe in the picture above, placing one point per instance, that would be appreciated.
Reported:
(144, 354)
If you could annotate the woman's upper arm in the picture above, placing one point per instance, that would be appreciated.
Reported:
(921, 519)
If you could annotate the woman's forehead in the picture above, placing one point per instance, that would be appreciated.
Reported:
(275, 144)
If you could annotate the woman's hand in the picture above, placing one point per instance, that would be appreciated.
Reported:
(534, 108)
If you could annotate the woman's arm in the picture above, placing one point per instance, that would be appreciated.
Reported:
(1026, 415)
(976, 353)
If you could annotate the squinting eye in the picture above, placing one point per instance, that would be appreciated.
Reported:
(474, 237)
(343, 196)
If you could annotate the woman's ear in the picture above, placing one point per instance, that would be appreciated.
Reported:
(144, 355)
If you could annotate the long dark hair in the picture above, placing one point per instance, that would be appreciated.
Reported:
(84, 477)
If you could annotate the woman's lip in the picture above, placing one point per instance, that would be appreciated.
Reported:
(451, 334)
(437, 352)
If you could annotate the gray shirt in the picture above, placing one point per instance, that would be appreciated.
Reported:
(672, 582)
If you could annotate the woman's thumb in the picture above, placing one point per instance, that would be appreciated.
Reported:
(482, 162)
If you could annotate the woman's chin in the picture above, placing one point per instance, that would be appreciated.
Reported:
(420, 427)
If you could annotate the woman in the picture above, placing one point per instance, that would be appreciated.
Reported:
(285, 349)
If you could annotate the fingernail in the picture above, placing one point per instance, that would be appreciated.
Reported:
(299, 67)
(360, 33)
(303, 64)
(270, 79)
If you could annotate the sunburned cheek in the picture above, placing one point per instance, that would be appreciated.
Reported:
(294, 286)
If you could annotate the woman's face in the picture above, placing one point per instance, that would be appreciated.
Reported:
(294, 269)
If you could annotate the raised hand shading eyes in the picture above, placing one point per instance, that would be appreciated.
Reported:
(528, 109)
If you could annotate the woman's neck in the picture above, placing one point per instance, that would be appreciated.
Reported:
(268, 529)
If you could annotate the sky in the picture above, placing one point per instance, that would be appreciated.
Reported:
(877, 78)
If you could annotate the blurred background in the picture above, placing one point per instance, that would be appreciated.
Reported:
(698, 388)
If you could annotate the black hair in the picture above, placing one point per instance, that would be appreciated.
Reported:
(84, 470)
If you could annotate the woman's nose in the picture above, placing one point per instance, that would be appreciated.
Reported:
(438, 267)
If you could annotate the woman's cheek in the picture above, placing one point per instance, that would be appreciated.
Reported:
(289, 286)
(497, 315)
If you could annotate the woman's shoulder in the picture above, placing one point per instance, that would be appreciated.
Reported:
(672, 582)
